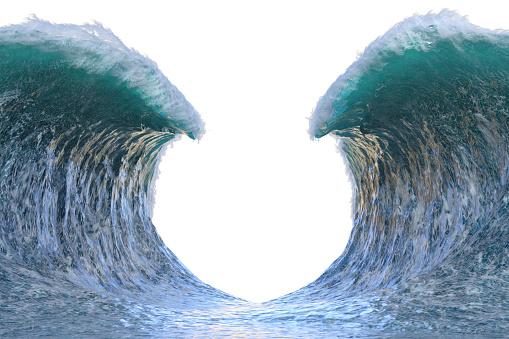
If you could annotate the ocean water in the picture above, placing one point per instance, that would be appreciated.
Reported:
(423, 121)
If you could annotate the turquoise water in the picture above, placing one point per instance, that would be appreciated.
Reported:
(423, 120)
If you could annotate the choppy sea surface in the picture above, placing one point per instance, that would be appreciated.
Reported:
(423, 121)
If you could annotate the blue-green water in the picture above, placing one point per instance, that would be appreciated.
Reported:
(423, 118)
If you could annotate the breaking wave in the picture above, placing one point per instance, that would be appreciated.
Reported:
(423, 120)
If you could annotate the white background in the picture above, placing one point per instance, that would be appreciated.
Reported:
(255, 208)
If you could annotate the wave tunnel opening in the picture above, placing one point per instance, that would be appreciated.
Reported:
(256, 220)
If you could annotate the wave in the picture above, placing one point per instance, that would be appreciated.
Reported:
(422, 116)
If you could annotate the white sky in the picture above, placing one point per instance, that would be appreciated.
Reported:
(255, 208)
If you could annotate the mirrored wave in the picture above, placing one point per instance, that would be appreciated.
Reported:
(422, 116)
